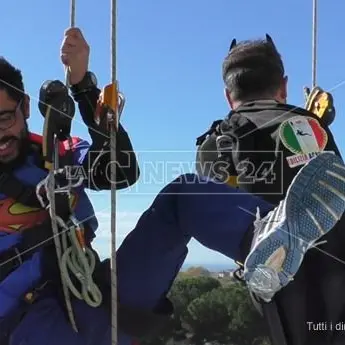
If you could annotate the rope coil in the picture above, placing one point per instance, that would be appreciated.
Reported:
(72, 255)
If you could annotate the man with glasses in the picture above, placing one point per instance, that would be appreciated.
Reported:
(23, 225)
(12, 144)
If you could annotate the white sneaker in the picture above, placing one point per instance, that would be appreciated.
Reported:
(314, 203)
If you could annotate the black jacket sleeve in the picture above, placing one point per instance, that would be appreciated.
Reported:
(98, 163)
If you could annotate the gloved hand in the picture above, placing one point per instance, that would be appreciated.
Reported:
(320, 103)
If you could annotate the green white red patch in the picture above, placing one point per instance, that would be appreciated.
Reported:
(304, 137)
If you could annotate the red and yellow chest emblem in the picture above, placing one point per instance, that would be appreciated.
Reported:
(15, 216)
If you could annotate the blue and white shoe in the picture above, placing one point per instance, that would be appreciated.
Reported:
(314, 203)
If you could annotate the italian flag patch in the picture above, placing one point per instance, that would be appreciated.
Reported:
(302, 134)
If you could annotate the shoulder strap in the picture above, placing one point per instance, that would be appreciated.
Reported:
(200, 139)
(235, 129)
(281, 107)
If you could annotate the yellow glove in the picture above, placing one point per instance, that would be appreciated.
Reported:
(320, 103)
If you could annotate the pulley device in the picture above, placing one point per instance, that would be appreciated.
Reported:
(58, 110)
(318, 101)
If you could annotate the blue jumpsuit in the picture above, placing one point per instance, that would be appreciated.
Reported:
(148, 260)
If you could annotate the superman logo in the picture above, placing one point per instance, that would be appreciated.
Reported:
(15, 216)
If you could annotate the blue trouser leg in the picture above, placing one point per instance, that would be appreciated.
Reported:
(153, 253)
(214, 214)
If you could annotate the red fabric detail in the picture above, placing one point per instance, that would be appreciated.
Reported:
(63, 146)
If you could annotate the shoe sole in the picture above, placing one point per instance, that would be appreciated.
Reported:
(314, 203)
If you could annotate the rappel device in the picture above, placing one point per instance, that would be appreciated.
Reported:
(320, 103)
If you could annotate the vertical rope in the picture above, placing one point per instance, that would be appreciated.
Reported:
(314, 43)
(52, 210)
(113, 52)
(52, 201)
(72, 18)
(72, 25)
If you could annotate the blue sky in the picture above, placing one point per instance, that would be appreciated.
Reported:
(169, 68)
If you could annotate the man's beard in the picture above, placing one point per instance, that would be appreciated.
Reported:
(23, 142)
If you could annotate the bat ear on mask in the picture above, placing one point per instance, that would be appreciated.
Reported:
(269, 40)
(233, 44)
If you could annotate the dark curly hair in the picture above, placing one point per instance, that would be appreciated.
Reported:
(11, 80)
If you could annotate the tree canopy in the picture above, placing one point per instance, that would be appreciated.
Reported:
(208, 312)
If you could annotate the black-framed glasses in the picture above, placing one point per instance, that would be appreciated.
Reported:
(8, 117)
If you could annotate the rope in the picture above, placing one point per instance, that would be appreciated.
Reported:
(72, 255)
(51, 192)
(113, 52)
(81, 262)
(314, 43)
(50, 188)
(72, 25)
(74, 258)
(77, 260)
(72, 18)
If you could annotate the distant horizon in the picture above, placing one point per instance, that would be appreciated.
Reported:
(209, 266)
